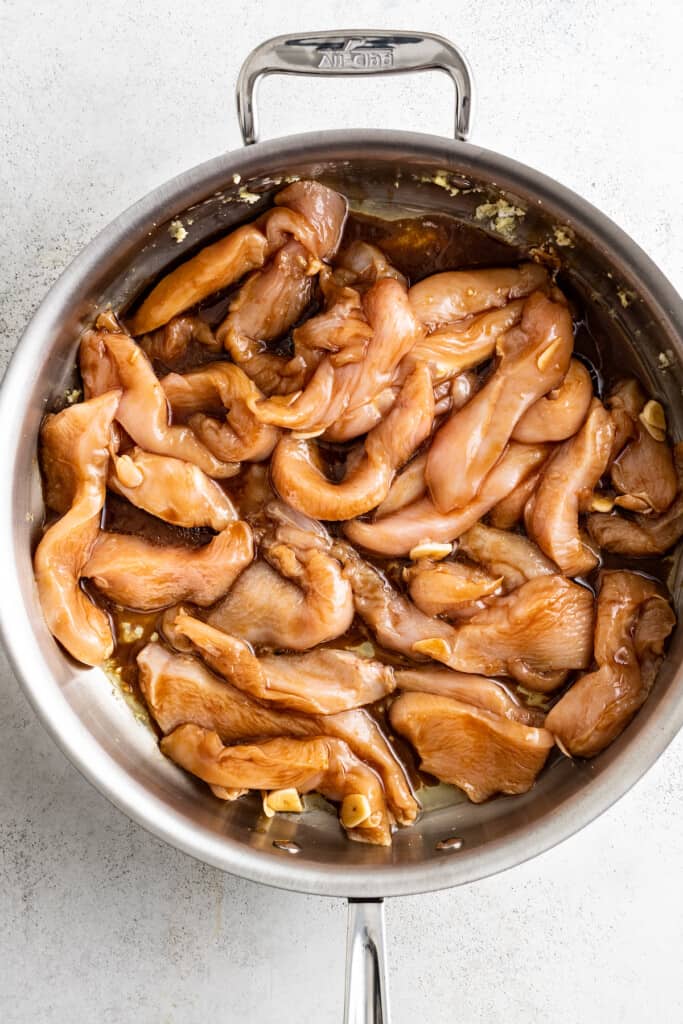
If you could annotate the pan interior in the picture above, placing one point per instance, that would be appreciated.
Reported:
(84, 706)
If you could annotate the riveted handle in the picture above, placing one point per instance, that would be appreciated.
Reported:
(353, 53)
(367, 998)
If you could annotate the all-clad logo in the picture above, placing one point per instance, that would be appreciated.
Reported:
(356, 56)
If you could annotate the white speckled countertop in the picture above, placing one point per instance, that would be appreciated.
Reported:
(100, 921)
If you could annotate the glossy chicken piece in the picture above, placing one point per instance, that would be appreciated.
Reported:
(408, 486)
(643, 469)
(400, 532)
(342, 328)
(510, 510)
(234, 435)
(171, 489)
(363, 419)
(396, 622)
(172, 341)
(487, 694)
(298, 600)
(336, 390)
(534, 359)
(508, 556)
(455, 347)
(299, 479)
(536, 634)
(480, 752)
(443, 298)
(180, 689)
(75, 455)
(410, 483)
(214, 267)
(143, 410)
(135, 573)
(323, 210)
(552, 514)
(643, 534)
(365, 264)
(560, 413)
(633, 621)
(452, 589)
(266, 306)
(320, 682)
(320, 763)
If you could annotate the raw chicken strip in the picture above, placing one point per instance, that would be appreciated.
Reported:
(321, 682)
(214, 267)
(143, 410)
(643, 534)
(510, 556)
(400, 532)
(536, 634)
(300, 481)
(138, 574)
(488, 694)
(336, 390)
(179, 689)
(320, 763)
(476, 750)
(552, 514)
(534, 359)
(75, 455)
(452, 589)
(300, 600)
(223, 387)
(560, 414)
(171, 489)
(633, 621)
(443, 298)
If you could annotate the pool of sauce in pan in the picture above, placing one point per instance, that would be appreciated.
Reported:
(417, 247)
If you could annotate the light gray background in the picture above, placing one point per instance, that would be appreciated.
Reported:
(100, 102)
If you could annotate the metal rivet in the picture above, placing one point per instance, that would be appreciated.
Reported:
(452, 843)
(287, 845)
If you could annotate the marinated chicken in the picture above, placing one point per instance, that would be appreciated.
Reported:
(633, 622)
(320, 682)
(642, 534)
(179, 689)
(476, 750)
(298, 478)
(536, 634)
(75, 455)
(176, 491)
(552, 512)
(338, 514)
(534, 359)
(295, 599)
(135, 573)
(319, 763)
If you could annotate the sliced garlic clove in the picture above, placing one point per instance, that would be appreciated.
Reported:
(355, 809)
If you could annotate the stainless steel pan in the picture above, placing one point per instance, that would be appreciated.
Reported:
(379, 170)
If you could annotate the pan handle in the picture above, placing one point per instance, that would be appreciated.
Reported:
(367, 998)
(353, 53)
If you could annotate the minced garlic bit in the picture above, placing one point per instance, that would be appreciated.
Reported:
(236, 179)
(364, 650)
(249, 197)
(626, 297)
(429, 549)
(502, 216)
(129, 632)
(154, 637)
(563, 236)
(73, 396)
(653, 419)
(177, 231)
(29, 517)
(666, 359)
(441, 180)
(355, 809)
